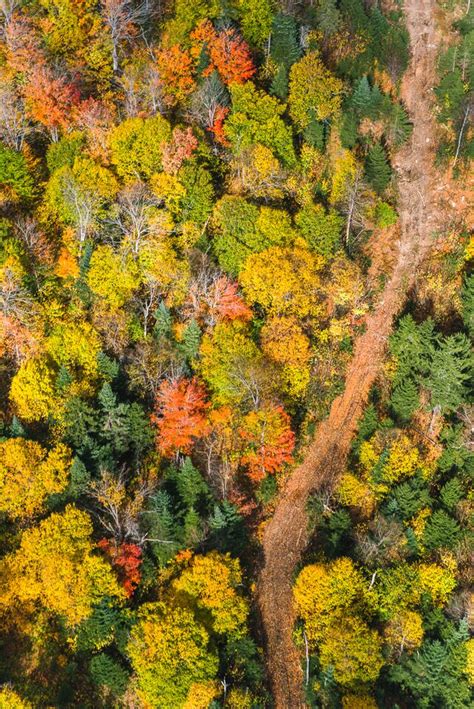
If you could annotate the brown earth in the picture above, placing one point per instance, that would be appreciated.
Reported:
(423, 213)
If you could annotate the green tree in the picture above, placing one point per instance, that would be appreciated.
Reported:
(137, 146)
(450, 372)
(16, 181)
(320, 230)
(441, 531)
(377, 168)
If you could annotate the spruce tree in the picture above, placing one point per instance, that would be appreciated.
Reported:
(285, 49)
(328, 17)
(279, 85)
(189, 345)
(378, 170)
(362, 96)
(399, 127)
(108, 673)
(467, 308)
(451, 373)
(405, 398)
(441, 531)
(451, 493)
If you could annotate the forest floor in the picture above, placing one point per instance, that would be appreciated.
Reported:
(425, 209)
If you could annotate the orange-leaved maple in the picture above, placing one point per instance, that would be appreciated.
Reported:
(180, 415)
(228, 53)
(126, 558)
(175, 68)
(269, 441)
(226, 302)
(182, 145)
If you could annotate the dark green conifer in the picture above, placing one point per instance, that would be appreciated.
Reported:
(377, 167)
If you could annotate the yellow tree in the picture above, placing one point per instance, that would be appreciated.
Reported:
(169, 653)
(55, 567)
(283, 281)
(28, 474)
(315, 93)
(209, 586)
(284, 342)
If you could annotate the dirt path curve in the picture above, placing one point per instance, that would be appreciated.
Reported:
(286, 536)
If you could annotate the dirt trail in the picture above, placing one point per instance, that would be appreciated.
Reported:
(286, 536)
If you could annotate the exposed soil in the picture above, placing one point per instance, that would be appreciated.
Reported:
(422, 216)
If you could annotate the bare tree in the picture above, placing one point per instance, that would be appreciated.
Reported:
(117, 509)
(7, 10)
(142, 88)
(209, 97)
(124, 18)
(135, 207)
(14, 125)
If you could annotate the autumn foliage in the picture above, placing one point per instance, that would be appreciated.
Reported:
(126, 559)
(228, 53)
(180, 415)
(269, 442)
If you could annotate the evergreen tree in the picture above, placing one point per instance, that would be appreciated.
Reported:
(399, 127)
(412, 346)
(441, 531)
(362, 97)
(377, 168)
(285, 49)
(451, 493)
(279, 85)
(434, 676)
(108, 673)
(349, 129)
(405, 398)
(189, 345)
(408, 498)
(450, 373)
(163, 322)
(328, 17)
(468, 304)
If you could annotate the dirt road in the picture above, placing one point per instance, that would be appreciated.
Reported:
(286, 535)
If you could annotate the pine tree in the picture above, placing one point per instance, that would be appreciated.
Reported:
(190, 484)
(451, 493)
(362, 97)
(412, 346)
(378, 170)
(408, 498)
(468, 304)
(100, 628)
(163, 322)
(285, 48)
(441, 531)
(279, 85)
(189, 345)
(450, 373)
(107, 672)
(328, 17)
(349, 129)
(314, 133)
(162, 527)
(405, 398)
(399, 127)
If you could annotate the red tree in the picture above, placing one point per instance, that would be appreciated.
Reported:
(175, 67)
(269, 441)
(227, 303)
(50, 100)
(182, 146)
(180, 415)
(218, 126)
(126, 558)
(229, 54)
